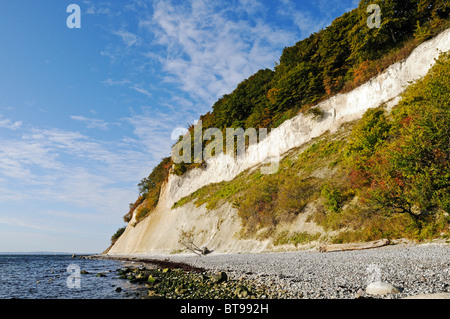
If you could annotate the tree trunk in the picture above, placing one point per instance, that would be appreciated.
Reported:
(392, 34)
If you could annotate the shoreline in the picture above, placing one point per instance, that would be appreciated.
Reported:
(147, 261)
(416, 269)
(165, 279)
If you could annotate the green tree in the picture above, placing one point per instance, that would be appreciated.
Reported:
(398, 20)
(233, 109)
(370, 132)
(299, 86)
(334, 50)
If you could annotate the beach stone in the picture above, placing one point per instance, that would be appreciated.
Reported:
(241, 292)
(181, 290)
(359, 294)
(141, 276)
(122, 272)
(381, 288)
(219, 277)
(204, 277)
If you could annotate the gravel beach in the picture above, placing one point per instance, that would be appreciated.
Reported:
(413, 269)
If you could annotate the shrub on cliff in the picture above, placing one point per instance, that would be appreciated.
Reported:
(409, 171)
(149, 190)
(117, 235)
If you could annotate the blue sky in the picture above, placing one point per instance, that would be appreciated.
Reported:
(86, 113)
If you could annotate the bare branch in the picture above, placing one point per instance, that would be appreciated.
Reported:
(187, 240)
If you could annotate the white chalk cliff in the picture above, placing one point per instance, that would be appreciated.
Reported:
(217, 229)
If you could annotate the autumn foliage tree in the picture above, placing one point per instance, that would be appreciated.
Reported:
(402, 165)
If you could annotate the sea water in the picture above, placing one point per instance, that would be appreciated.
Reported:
(56, 277)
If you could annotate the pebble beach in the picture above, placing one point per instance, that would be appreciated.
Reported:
(411, 270)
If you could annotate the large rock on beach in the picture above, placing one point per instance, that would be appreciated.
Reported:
(219, 277)
(381, 288)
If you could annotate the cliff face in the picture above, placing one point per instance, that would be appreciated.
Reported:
(218, 229)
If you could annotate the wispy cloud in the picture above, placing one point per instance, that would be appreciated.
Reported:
(141, 90)
(307, 21)
(112, 82)
(102, 8)
(18, 222)
(92, 123)
(251, 7)
(7, 123)
(134, 86)
(208, 51)
(153, 131)
(304, 20)
(61, 166)
(196, 51)
(128, 38)
(50, 222)
(17, 157)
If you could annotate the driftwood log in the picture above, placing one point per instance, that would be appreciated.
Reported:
(354, 246)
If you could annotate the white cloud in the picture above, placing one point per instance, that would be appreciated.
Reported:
(91, 123)
(128, 38)
(141, 90)
(102, 8)
(7, 123)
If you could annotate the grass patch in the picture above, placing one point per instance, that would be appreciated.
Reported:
(264, 201)
(324, 153)
(212, 194)
(142, 212)
(297, 238)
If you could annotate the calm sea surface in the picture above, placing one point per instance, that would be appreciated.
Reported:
(56, 277)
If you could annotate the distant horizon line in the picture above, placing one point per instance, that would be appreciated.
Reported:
(43, 253)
